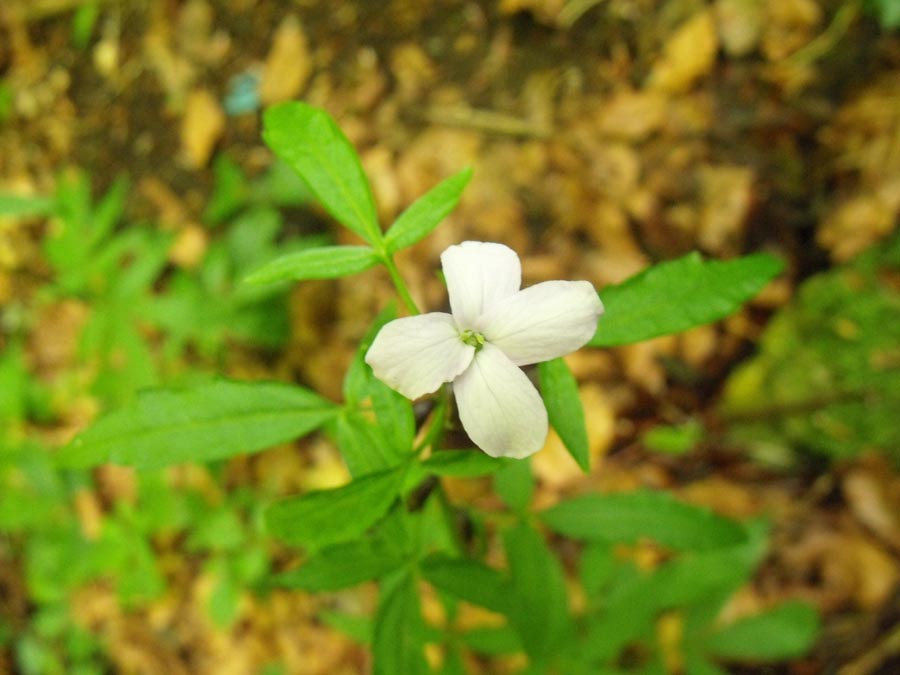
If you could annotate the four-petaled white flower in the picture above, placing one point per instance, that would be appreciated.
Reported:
(494, 328)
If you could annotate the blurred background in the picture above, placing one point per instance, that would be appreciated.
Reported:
(605, 135)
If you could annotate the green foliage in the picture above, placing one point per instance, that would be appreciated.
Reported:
(674, 296)
(631, 516)
(17, 206)
(309, 141)
(200, 423)
(392, 523)
(326, 517)
(514, 484)
(83, 22)
(781, 633)
(426, 213)
(536, 603)
(886, 11)
(343, 565)
(462, 464)
(560, 392)
(399, 636)
(674, 439)
(827, 376)
(326, 262)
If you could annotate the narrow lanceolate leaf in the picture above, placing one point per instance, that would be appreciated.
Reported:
(364, 445)
(628, 517)
(309, 141)
(201, 423)
(399, 637)
(23, 206)
(424, 214)
(467, 580)
(560, 393)
(537, 604)
(785, 632)
(462, 464)
(343, 565)
(324, 262)
(678, 295)
(326, 517)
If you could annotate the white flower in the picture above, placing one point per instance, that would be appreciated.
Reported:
(494, 328)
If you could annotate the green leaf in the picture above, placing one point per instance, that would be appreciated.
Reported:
(560, 393)
(357, 628)
(83, 23)
(674, 439)
(887, 11)
(393, 411)
(229, 191)
(514, 484)
(785, 632)
(629, 517)
(674, 296)
(24, 206)
(343, 565)
(399, 635)
(467, 580)
(201, 423)
(308, 140)
(537, 605)
(492, 641)
(462, 463)
(825, 377)
(108, 212)
(326, 517)
(424, 214)
(363, 445)
(324, 262)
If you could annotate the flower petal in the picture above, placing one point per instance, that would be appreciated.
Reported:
(499, 407)
(544, 321)
(478, 275)
(416, 354)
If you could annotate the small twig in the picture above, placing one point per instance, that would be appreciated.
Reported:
(825, 42)
(792, 408)
(488, 121)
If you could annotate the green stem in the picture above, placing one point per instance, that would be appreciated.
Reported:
(826, 41)
(400, 285)
(437, 423)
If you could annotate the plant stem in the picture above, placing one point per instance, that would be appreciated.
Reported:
(400, 285)
(793, 408)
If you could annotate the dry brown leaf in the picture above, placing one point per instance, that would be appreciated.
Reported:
(789, 24)
(688, 55)
(189, 247)
(726, 194)
(854, 225)
(867, 496)
(740, 24)
(201, 127)
(632, 115)
(288, 64)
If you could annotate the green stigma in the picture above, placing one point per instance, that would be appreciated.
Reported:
(470, 337)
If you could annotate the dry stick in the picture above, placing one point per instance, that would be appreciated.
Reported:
(489, 121)
(790, 408)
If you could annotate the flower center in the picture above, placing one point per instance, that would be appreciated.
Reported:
(470, 337)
